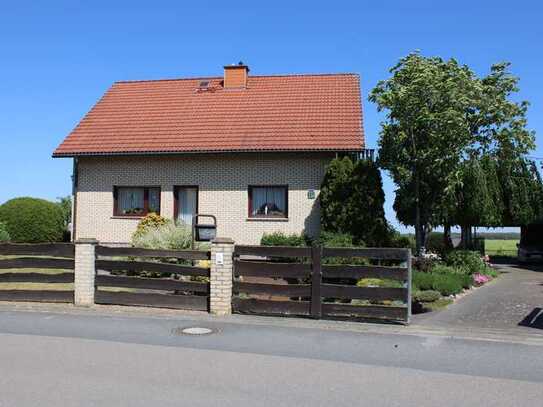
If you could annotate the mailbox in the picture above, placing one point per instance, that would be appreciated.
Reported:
(204, 232)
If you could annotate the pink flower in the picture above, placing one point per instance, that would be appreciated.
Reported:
(480, 279)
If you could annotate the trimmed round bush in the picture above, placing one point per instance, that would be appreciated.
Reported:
(4, 234)
(427, 296)
(32, 220)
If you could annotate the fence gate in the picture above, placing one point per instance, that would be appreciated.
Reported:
(365, 283)
(154, 278)
(37, 272)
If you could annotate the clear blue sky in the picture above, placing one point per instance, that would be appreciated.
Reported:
(58, 57)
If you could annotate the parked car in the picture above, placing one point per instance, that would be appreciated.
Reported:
(530, 247)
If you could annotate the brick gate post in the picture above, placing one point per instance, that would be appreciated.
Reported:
(85, 272)
(221, 276)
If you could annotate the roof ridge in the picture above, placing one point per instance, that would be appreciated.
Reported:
(251, 76)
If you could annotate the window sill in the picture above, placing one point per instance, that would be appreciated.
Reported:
(267, 219)
(138, 217)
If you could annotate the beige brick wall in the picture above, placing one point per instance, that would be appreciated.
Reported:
(222, 180)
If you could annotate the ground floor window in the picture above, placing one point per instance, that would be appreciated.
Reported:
(136, 201)
(268, 201)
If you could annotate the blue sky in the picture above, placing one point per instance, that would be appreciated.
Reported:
(58, 57)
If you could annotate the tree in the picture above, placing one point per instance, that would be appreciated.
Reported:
(65, 204)
(425, 133)
(448, 141)
(352, 201)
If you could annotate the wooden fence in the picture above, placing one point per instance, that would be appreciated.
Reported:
(52, 262)
(305, 281)
(139, 279)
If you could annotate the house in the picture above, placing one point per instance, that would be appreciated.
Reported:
(250, 150)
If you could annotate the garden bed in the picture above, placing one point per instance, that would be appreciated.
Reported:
(438, 282)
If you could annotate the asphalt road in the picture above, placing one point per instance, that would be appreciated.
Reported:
(54, 359)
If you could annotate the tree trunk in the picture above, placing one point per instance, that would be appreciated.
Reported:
(447, 238)
(419, 228)
(467, 238)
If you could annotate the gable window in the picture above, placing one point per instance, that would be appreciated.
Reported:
(136, 201)
(268, 201)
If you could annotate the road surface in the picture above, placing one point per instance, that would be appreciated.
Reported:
(85, 359)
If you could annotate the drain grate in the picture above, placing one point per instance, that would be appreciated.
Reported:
(193, 330)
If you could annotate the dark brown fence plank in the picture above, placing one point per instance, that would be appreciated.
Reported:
(316, 282)
(151, 283)
(254, 306)
(268, 269)
(363, 293)
(36, 296)
(137, 252)
(357, 272)
(369, 311)
(276, 251)
(294, 290)
(42, 249)
(114, 265)
(36, 278)
(36, 263)
(370, 253)
(190, 302)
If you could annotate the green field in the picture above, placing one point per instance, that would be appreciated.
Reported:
(501, 247)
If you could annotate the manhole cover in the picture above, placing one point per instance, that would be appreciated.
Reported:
(195, 330)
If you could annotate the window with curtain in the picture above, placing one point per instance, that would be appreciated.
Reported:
(186, 199)
(268, 201)
(136, 201)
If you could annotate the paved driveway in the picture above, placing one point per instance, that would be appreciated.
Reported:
(512, 302)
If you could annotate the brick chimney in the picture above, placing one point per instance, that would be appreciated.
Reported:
(235, 76)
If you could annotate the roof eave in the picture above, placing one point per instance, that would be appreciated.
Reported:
(139, 153)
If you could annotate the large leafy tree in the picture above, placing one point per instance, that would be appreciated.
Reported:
(424, 134)
(454, 143)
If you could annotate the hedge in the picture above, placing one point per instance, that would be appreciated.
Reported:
(32, 220)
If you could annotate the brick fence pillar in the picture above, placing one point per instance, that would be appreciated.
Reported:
(220, 279)
(85, 272)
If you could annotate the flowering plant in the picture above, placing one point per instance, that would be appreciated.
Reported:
(480, 279)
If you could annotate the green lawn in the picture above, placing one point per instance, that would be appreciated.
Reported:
(498, 247)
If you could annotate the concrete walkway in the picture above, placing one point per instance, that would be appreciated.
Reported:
(513, 302)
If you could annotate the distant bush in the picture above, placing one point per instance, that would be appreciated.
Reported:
(165, 237)
(31, 220)
(4, 234)
(426, 296)
(282, 239)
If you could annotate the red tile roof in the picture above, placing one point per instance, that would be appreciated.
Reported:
(274, 113)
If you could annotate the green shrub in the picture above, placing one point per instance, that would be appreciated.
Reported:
(426, 296)
(402, 241)
(4, 235)
(165, 237)
(436, 244)
(31, 220)
(470, 261)
(282, 239)
(331, 239)
(446, 284)
(422, 281)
